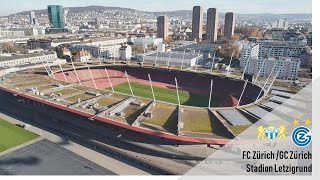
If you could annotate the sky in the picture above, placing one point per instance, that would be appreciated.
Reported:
(238, 6)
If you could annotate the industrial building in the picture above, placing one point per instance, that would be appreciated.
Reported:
(171, 58)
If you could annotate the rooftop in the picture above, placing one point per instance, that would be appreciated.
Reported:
(180, 55)
(21, 56)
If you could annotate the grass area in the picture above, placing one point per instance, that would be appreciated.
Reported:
(164, 116)
(196, 120)
(167, 95)
(45, 87)
(132, 112)
(12, 135)
(82, 88)
(107, 101)
(238, 129)
(37, 83)
(82, 97)
(65, 91)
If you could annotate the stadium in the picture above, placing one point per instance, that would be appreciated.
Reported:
(164, 102)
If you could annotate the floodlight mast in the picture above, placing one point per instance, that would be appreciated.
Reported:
(230, 63)
(184, 52)
(209, 104)
(95, 86)
(266, 82)
(50, 69)
(272, 82)
(105, 69)
(244, 87)
(46, 69)
(214, 57)
(129, 83)
(154, 98)
(75, 71)
(259, 71)
(177, 88)
(65, 77)
(244, 71)
(155, 62)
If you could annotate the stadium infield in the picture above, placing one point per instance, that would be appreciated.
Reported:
(12, 135)
(167, 95)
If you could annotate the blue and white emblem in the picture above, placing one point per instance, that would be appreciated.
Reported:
(271, 132)
(301, 136)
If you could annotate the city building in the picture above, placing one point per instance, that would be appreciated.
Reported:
(14, 60)
(306, 58)
(280, 24)
(125, 53)
(229, 25)
(287, 67)
(163, 27)
(82, 56)
(99, 51)
(197, 23)
(56, 17)
(32, 17)
(212, 25)
(12, 33)
(145, 41)
(205, 49)
(171, 58)
(277, 49)
(247, 51)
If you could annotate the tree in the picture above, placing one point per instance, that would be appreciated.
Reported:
(137, 48)
(8, 48)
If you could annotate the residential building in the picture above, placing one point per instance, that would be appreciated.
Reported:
(287, 67)
(277, 49)
(197, 23)
(15, 60)
(163, 27)
(247, 51)
(229, 25)
(212, 25)
(32, 17)
(125, 53)
(82, 56)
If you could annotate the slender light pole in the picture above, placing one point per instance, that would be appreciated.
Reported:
(244, 87)
(46, 68)
(177, 90)
(214, 57)
(244, 71)
(95, 86)
(266, 82)
(259, 71)
(129, 83)
(62, 72)
(272, 82)
(155, 62)
(169, 60)
(105, 69)
(197, 61)
(50, 69)
(75, 71)
(184, 52)
(209, 104)
(154, 98)
(230, 63)
(99, 56)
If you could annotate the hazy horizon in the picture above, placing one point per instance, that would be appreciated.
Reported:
(237, 6)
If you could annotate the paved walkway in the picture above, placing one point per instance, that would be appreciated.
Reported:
(98, 158)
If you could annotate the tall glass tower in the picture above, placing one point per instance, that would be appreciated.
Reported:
(56, 16)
